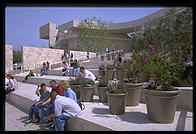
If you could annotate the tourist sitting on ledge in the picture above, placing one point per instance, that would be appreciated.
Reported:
(31, 73)
(65, 68)
(86, 75)
(10, 84)
(44, 95)
(44, 69)
(47, 65)
(65, 108)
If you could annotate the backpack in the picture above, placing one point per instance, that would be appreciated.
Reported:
(81, 104)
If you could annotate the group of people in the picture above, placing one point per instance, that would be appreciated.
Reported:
(56, 106)
(45, 68)
(74, 66)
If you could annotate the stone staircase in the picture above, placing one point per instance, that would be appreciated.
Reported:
(96, 116)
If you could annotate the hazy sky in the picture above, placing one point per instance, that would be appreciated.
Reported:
(22, 23)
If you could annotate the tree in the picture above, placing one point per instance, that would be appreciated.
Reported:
(94, 35)
(17, 57)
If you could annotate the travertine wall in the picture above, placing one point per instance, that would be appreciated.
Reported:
(8, 58)
(81, 55)
(33, 57)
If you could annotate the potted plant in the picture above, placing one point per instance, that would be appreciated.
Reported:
(161, 100)
(87, 90)
(119, 72)
(102, 88)
(117, 98)
(75, 86)
(109, 72)
(131, 69)
(102, 70)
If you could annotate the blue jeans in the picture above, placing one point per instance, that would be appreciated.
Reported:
(43, 71)
(60, 122)
(35, 109)
(50, 109)
(74, 71)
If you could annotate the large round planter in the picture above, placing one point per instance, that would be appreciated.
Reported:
(102, 73)
(134, 93)
(102, 94)
(87, 93)
(76, 89)
(161, 105)
(116, 102)
(109, 74)
(119, 74)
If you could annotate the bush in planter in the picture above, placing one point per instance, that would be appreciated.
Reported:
(117, 98)
(109, 72)
(119, 72)
(75, 86)
(108, 56)
(102, 88)
(102, 70)
(87, 90)
(132, 68)
(163, 68)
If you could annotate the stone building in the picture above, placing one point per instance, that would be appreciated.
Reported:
(65, 36)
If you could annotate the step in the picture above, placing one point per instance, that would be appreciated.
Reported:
(96, 115)
(15, 120)
(40, 79)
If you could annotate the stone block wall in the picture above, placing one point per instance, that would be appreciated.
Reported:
(81, 55)
(33, 57)
(8, 58)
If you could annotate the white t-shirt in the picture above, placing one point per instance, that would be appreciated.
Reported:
(89, 75)
(66, 106)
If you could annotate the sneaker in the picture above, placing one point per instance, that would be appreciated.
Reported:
(48, 124)
(36, 120)
(28, 121)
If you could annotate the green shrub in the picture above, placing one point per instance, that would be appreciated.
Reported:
(109, 67)
(75, 82)
(118, 88)
(103, 83)
(89, 83)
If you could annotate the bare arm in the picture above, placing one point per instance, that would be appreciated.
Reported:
(47, 102)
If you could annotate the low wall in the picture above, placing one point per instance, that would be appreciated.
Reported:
(32, 57)
(8, 58)
(81, 55)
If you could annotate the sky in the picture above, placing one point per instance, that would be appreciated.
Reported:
(22, 23)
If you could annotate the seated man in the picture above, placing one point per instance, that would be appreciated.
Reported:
(65, 108)
(86, 75)
(10, 84)
(44, 95)
(65, 68)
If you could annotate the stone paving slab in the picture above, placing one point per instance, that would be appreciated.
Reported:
(15, 120)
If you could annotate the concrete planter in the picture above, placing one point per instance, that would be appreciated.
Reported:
(161, 105)
(109, 74)
(102, 94)
(134, 93)
(87, 94)
(102, 73)
(76, 89)
(116, 102)
(119, 74)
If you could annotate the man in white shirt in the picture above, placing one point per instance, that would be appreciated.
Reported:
(65, 108)
(86, 74)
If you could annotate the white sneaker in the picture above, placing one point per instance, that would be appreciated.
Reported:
(28, 121)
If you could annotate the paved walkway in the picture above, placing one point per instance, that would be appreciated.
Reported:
(15, 120)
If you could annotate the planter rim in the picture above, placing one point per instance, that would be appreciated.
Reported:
(125, 93)
(161, 93)
(136, 84)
